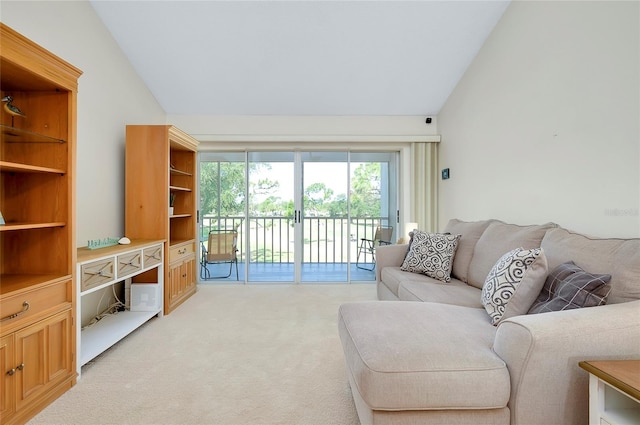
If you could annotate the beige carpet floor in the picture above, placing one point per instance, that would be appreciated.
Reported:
(231, 354)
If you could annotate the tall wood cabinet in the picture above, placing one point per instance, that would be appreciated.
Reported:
(161, 164)
(37, 239)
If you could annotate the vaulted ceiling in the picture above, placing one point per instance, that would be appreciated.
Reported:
(300, 57)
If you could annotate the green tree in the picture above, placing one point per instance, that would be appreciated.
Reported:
(228, 198)
(338, 206)
(222, 188)
(365, 190)
(317, 198)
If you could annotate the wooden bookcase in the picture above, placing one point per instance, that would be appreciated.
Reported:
(37, 241)
(160, 161)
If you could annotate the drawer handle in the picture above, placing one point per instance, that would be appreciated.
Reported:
(25, 307)
(13, 371)
(182, 251)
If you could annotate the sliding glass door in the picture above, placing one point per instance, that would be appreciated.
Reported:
(325, 217)
(301, 216)
(270, 227)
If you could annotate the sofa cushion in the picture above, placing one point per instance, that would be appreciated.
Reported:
(500, 238)
(568, 287)
(471, 232)
(431, 254)
(455, 292)
(514, 282)
(618, 257)
(392, 277)
(420, 356)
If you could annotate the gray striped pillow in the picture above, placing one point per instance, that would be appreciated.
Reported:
(569, 287)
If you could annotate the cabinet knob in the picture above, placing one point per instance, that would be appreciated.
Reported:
(20, 366)
(11, 372)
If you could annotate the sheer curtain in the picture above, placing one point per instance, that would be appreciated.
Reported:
(424, 184)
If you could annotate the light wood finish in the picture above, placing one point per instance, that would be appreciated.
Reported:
(97, 273)
(614, 391)
(152, 256)
(37, 243)
(161, 159)
(182, 268)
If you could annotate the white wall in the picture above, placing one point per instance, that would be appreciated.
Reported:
(306, 128)
(545, 124)
(110, 95)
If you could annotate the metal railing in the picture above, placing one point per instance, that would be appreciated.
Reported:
(324, 239)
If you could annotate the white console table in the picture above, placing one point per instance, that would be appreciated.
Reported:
(142, 262)
(614, 391)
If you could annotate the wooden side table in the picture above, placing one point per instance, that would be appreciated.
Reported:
(614, 391)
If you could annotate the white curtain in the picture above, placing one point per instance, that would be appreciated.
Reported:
(424, 184)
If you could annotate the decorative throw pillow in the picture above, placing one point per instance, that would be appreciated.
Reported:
(431, 254)
(513, 283)
(568, 287)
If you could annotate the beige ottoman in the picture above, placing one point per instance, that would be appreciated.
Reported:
(417, 362)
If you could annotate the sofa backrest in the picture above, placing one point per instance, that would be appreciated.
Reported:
(618, 257)
(498, 239)
(471, 232)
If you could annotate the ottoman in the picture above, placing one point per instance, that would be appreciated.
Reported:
(431, 362)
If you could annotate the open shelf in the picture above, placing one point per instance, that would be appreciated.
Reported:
(180, 188)
(15, 167)
(177, 172)
(180, 216)
(16, 135)
(109, 330)
(14, 282)
(29, 226)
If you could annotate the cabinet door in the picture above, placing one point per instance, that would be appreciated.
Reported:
(190, 274)
(182, 278)
(44, 353)
(175, 280)
(7, 383)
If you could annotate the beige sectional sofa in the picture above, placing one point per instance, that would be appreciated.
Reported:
(430, 355)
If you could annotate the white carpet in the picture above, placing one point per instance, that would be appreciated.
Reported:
(231, 354)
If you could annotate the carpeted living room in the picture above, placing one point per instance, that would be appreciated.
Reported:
(506, 125)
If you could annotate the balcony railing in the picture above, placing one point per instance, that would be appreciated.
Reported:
(324, 239)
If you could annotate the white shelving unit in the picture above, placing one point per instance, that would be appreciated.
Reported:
(614, 392)
(142, 262)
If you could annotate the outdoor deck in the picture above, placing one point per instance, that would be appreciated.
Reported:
(283, 273)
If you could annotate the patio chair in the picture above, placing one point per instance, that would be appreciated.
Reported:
(221, 248)
(367, 247)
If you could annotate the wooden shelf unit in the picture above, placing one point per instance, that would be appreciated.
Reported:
(161, 159)
(37, 241)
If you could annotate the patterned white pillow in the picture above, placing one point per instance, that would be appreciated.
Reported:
(431, 254)
(514, 282)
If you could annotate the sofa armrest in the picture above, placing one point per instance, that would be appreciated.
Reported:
(389, 255)
(542, 352)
